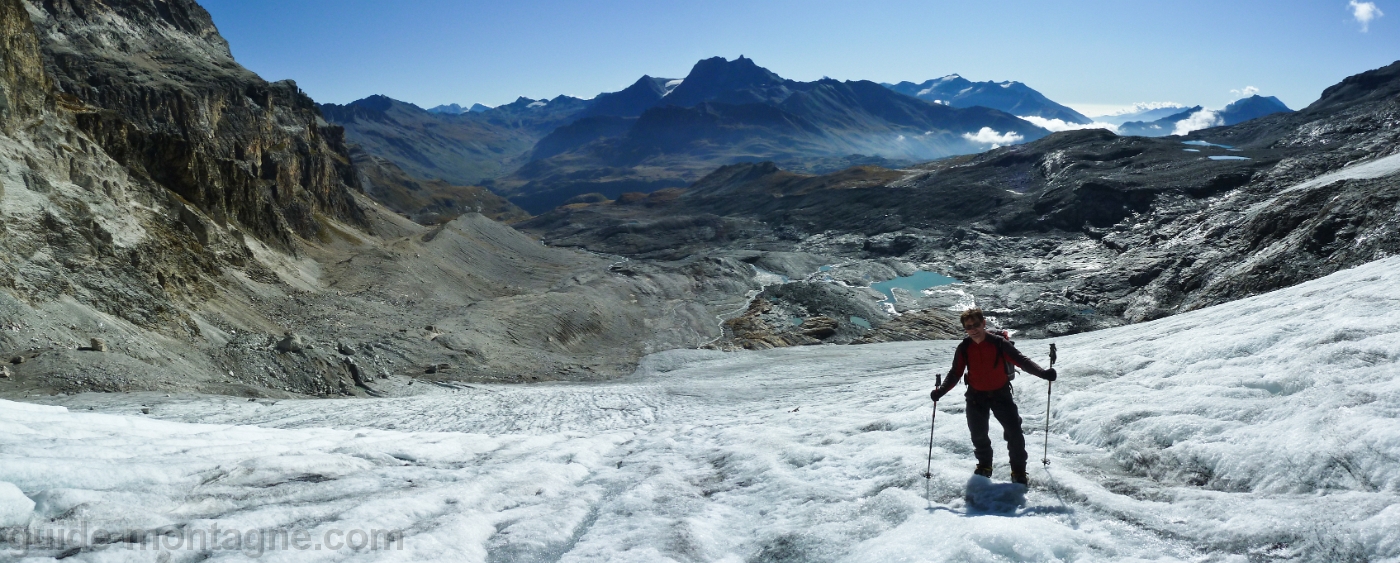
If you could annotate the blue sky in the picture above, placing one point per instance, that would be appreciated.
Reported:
(1091, 55)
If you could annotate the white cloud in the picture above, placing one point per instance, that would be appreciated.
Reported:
(988, 136)
(1364, 12)
(1199, 120)
(1245, 92)
(1144, 106)
(1101, 111)
(1057, 125)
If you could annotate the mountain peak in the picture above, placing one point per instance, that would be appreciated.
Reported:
(711, 77)
(376, 102)
(1245, 109)
(630, 101)
(1257, 100)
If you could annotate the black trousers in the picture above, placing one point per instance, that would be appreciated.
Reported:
(1000, 404)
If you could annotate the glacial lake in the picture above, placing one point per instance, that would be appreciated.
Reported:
(915, 283)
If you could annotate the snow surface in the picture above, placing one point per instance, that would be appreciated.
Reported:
(1259, 430)
(1377, 168)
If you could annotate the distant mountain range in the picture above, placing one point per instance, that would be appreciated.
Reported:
(1011, 97)
(725, 112)
(1195, 118)
(668, 132)
(455, 109)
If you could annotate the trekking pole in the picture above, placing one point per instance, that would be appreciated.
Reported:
(1045, 454)
(928, 469)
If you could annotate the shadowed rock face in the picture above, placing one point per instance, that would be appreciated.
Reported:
(156, 86)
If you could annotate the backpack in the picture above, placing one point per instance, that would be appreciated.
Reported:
(1001, 354)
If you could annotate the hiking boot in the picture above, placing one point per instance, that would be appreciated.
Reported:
(1020, 478)
(983, 470)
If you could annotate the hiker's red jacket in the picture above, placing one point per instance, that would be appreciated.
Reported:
(985, 364)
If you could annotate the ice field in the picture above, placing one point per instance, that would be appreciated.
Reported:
(1260, 430)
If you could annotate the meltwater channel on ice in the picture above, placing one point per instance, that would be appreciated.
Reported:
(1259, 430)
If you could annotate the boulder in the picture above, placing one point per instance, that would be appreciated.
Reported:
(291, 342)
(98, 345)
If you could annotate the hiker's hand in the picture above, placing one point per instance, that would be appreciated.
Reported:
(937, 394)
(1050, 374)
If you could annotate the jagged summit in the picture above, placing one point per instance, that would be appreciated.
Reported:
(450, 109)
(737, 81)
(455, 109)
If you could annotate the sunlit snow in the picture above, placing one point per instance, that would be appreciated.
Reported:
(1263, 429)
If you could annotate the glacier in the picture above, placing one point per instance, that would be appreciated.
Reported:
(1259, 430)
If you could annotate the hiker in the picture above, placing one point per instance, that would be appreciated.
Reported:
(988, 359)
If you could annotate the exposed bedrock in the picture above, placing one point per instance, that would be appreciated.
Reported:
(156, 86)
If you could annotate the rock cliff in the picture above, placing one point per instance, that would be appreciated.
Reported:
(156, 86)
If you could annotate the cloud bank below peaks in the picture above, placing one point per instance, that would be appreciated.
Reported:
(989, 136)
(1199, 120)
(1057, 125)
